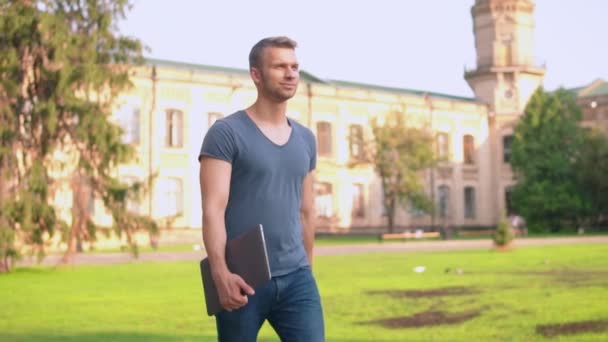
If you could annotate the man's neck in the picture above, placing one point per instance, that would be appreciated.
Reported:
(268, 112)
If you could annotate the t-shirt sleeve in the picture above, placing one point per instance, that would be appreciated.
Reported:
(219, 143)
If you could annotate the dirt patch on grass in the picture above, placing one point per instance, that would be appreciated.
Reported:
(574, 278)
(568, 277)
(440, 292)
(572, 328)
(425, 319)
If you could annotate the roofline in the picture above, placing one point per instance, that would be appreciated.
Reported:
(416, 92)
(195, 66)
(585, 90)
(309, 77)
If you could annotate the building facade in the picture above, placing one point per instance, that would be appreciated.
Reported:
(593, 99)
(172, 105)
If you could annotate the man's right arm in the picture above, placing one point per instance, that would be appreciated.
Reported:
(215, 188)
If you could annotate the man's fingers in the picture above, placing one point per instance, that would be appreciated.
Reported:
(239, 300)
(237, 294)
(246, 288)
(236, 302)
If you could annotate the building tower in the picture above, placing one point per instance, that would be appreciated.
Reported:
(505, 77)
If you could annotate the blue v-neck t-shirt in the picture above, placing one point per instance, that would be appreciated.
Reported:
(265, 184)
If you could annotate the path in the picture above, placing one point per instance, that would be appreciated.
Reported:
(392, 247)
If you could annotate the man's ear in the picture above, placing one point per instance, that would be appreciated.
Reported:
(256, 75)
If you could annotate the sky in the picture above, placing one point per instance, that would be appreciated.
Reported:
(423, 45)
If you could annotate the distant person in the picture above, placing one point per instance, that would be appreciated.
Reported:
(257, 167)
(518, 224)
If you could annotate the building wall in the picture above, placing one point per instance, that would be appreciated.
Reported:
(505, 76)
(595, 112)
(201, 95)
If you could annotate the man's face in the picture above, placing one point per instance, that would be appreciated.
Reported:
(278, 73)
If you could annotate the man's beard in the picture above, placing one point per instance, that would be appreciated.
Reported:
(279, 94)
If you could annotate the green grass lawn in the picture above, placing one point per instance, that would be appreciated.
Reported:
(319, 241)
(182, 247)
(326, 240)
(462, 296)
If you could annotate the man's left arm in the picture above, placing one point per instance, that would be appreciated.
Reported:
(307, 214)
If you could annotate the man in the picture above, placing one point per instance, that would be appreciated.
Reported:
(256, 168)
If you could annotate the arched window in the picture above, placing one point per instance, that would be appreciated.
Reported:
(469, 202)
(443, 146)
(444, 201)
(324, 140)
(358, 210)
(468, 145)
(356, 141)
(507, 142)
(323, 200)
(174, 128)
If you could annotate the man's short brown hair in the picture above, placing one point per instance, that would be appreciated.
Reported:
(256, 50)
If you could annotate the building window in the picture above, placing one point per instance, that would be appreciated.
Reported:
(172, 193)
(128, 119)
(507, 143)
(384, 212)
(174, 128)
(133, 206)
(509, 201)
(83, 195)
(91, 201)
(589, 114)
(213, 117)
(469, 202)
(443, 146)
(132, 202)
(415, 211)
(356, 141)
(468, 144)
(323, 200)
(324, 138)
(358, 210)
(444, 201)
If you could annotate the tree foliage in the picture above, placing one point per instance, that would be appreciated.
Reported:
(62, 64)
(504, 234)
(400, 154)
(592, 171)
(546, 151)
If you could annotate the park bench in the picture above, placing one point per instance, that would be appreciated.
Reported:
(476, 232)
(408, 235)
(489, 232)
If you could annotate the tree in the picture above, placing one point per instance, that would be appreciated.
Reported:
(400, 154)
(62, 64)
(592, 170)
(503, 235)
(546, 150)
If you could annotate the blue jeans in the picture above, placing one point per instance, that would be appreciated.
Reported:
(291, 304)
